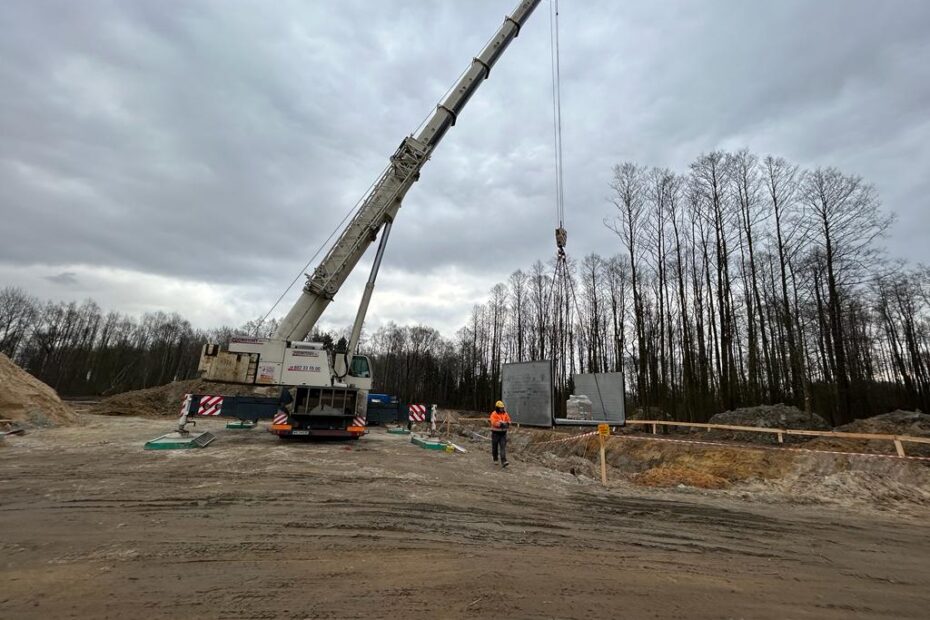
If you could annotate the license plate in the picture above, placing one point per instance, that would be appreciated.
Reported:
(300, 432)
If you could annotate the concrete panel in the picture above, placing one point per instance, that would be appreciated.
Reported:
(605, 389)
(527, 392)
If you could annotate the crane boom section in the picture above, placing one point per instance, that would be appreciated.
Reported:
(384, 199)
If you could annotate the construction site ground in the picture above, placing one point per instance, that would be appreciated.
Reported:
(253, 527)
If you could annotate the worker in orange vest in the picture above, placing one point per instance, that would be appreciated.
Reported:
(500, 422)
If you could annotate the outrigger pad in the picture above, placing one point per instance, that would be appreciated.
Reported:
(179, 441)
(398, 431)
(241, 425)
(430, 444)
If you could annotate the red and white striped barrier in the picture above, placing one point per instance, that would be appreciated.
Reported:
(416, 413)
(210, 405)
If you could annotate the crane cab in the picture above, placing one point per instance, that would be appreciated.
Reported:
(360, 372)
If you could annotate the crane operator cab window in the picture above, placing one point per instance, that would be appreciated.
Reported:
(360, 367)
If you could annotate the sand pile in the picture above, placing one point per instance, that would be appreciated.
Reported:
(26, 400)
(765, 416)
(165, 400)
(899, 422)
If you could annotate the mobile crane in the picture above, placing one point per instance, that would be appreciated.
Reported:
(324, 393)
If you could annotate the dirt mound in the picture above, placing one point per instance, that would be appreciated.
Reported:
(769, 475)
(649, 413)
(634, 456)
(765, 416)
(674, 476)
(899, 422)
(884, 484)
(26, 400)
(165, 400)
(731, 464)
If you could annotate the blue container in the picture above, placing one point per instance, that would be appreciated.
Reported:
(385, 409)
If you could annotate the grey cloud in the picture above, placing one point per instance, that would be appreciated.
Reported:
(222, 142)
(65, 278)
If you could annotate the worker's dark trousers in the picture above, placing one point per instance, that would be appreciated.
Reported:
(499, 445)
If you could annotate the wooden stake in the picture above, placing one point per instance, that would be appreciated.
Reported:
(899, 447)
(781, 438)
(603, 461)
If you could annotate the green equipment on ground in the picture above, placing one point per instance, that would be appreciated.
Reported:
(180, 441)
(241, 425)
(431, 444)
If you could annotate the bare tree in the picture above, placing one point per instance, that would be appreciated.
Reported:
(18, 313)
(628, 224)
(845, 214)
(518, 308)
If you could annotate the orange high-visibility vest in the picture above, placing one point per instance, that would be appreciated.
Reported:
(497, 418)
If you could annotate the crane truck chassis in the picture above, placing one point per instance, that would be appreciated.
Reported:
(327, 390)
(303, 411)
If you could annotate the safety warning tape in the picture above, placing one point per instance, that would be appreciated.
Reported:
(572, 438)
(542, 443)
(777, 449)
(729, 445)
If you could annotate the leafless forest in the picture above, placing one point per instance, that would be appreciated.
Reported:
(742, 280)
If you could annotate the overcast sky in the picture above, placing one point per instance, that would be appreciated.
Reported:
(191, 156)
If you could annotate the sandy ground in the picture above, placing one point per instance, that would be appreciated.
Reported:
(250, 527)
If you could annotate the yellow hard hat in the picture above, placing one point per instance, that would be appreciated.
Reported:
(500, 404)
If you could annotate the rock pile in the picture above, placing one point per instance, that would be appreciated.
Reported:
(766, 416)
(912, 423)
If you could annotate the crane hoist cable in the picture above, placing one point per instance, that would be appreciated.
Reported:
(561, 236)
(557, 109)
(562, 286)
(323, 245)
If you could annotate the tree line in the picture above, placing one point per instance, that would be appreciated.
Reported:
(80, 350)
(740, 281)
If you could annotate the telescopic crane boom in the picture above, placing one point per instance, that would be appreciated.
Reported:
(381, 204)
